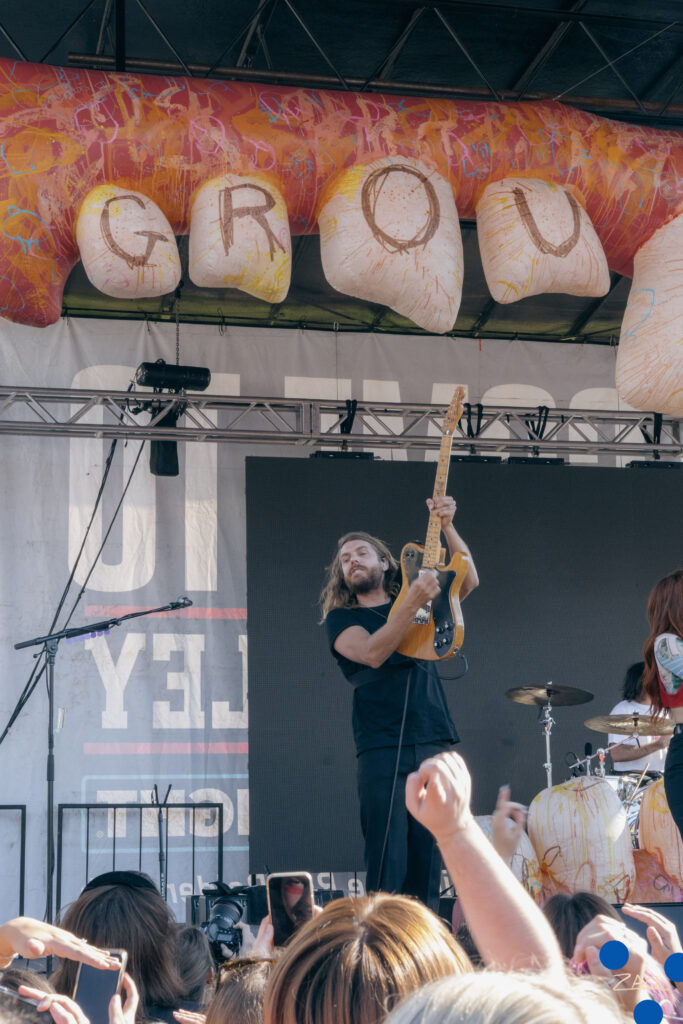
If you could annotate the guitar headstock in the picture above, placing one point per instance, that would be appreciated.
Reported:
(454, 412)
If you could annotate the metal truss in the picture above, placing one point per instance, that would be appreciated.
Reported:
(335, 424)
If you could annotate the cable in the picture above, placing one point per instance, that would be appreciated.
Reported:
(393, 785)
(39, 667)
(464, 672)
(106, 536)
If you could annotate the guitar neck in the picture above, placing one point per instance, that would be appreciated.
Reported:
(432, 551)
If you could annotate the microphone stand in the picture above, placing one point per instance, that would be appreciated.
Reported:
(160, 816)
(51, 642)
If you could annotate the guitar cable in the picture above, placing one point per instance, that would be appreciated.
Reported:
(399, 750)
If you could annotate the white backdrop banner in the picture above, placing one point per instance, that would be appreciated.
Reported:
(164, 700)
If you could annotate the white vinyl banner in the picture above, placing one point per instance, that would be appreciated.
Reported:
(163, 700)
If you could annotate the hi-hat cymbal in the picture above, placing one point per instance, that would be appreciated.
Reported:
(628, 725)
(540, 695)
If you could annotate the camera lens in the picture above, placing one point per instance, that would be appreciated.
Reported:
(225, 913)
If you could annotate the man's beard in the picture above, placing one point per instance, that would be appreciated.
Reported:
(372, 579)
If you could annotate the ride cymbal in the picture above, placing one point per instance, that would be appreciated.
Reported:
(627, 725)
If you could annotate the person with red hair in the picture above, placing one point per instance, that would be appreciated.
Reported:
(663, 677)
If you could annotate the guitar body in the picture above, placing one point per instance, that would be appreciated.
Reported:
(438, 629)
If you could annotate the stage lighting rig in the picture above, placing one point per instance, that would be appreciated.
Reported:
(175, 379)
(163, 376)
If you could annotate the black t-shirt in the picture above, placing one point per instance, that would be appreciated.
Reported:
(379, 693)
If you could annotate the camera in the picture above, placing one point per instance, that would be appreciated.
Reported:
(225, 907)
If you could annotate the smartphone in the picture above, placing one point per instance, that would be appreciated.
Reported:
(12, 992)
(94, 988)
(290, 902)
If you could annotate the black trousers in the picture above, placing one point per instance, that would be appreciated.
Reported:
(673, 779)
(412, 862)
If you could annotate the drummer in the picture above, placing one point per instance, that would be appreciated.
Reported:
(635, 753)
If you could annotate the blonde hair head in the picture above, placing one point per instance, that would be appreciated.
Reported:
(493, 997)
(352, 963)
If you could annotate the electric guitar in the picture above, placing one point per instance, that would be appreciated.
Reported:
(437, 630)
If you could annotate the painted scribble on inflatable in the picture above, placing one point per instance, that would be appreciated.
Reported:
(109, 168)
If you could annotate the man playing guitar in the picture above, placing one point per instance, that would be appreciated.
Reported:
(400, 715)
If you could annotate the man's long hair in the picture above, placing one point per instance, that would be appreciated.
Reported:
(665, 614)
(633, 682)
(335, 592)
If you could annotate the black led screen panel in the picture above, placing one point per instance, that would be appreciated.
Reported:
(566, 557)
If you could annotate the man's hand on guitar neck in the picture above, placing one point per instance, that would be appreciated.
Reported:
(445, 508)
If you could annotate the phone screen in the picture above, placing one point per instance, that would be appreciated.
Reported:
(290, 902)
(95, 987)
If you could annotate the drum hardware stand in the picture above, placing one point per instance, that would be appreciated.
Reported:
(547, 721)
(600, 770)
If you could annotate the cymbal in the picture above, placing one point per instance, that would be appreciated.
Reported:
(540, 695)
(627, 725)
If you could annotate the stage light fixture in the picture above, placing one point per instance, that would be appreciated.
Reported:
(163, 376)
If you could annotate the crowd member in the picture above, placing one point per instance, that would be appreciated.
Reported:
(400, 714)
(661, 934)
(64, 1010)
(353, 961)
(663, 677)
(635, 753)
(240, 992)
(569, 914)
(507, 927)
(13, 977)
(494, 997)
(195, 965)
(31, 939)
(125, 910)
(583, 923)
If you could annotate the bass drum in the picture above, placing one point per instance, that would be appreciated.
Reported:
(658, 833)
(581, 836)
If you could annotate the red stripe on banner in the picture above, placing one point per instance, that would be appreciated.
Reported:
(166, 748)
(106, 611)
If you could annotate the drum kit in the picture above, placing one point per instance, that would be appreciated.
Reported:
(629, 786)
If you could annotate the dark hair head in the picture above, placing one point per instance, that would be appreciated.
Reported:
(633, 681)
(353, 962)
(569, 914)
(665, 615)
(15, 1010)
(335, 592)
(13, 977)
(240, 993)
(135, 919)
(195, 962)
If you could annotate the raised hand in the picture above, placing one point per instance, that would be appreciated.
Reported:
(661, 933)
(30, 938)
(629, 989)
(507, 824)
(438, 795)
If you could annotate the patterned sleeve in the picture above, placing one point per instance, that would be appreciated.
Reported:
(668, 652)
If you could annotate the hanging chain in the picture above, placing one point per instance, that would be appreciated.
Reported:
(177, 331)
